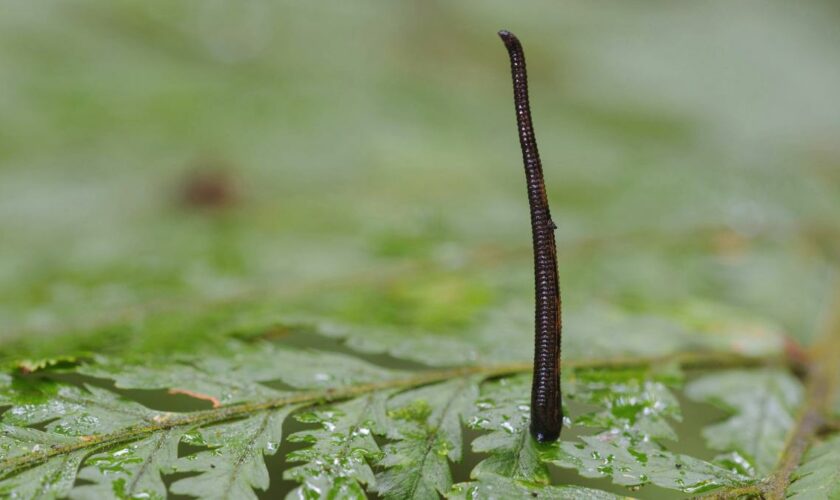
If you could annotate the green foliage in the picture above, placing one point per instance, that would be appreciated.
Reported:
(630, 462)
(355, 318)
(425, 425)
(635, 401)
(634, 406)
(132, 470)
(52, 479)
(496, 487)
(819, 474)
(118, 447)
(764, 404)
(503, 410)
(233, 465)
(338, 458)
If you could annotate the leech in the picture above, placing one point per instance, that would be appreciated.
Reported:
(546, 410)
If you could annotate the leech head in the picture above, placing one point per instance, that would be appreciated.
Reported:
(546, 409)
(508, 38)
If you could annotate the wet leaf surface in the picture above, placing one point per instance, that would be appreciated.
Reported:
(269, 213)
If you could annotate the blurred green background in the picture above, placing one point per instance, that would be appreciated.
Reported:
(171, 170)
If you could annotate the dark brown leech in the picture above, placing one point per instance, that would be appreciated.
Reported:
(546, 411)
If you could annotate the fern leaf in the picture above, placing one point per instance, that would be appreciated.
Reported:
(504, 411)
(52, 479)
(630, 462)
(124, 447)
(764, 403)
(496, 487)
(133, 470)
(234, 466)
(76, 411)
(342, 449)
(636, 401)
(634, 405)
(426, 426)
(235, 373)
(432, 350)
(819, 474)
(120, 448)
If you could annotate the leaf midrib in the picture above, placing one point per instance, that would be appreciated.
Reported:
(246, 451)
(10, 465)
(430, 439)
(145, 466)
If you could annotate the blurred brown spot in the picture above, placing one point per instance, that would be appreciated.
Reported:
(209, 185)
(795, 353)
(728, 243)
(276, 332)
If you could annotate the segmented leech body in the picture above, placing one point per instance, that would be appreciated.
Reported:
(546, 411)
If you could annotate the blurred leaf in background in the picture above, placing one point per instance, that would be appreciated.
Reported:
(176, 173)
(366, 138)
